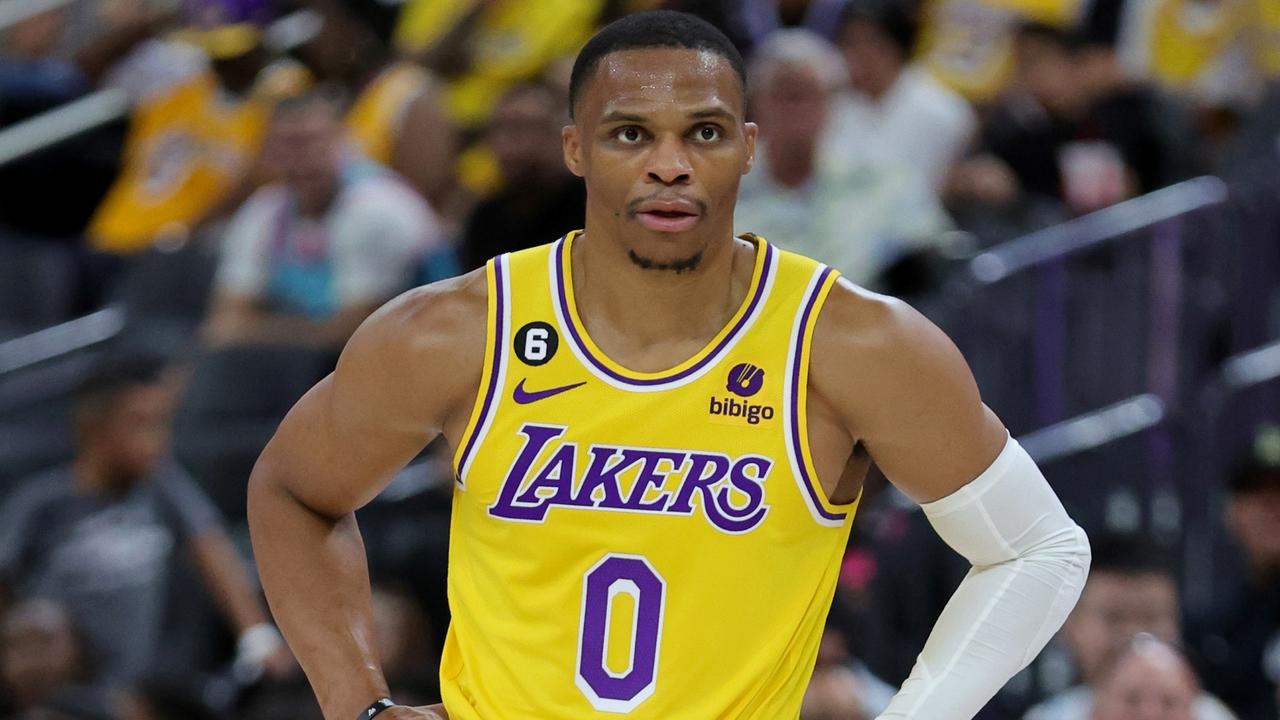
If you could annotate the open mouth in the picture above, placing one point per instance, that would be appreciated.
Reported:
(667, 217)
(666, 221)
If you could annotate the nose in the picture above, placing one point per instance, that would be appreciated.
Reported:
(669, 163)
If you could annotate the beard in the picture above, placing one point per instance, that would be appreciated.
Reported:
(677, 266)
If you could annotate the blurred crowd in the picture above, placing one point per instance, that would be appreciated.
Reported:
(277, 169)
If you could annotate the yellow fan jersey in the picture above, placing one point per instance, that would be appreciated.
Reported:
(968, 44)
(513, 40)
(186, 148)
(648, 544)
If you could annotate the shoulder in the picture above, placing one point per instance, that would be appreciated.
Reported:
(382, 196)
(430, 339)
(35, 494)
(875, 347)
(447, 312)
(874, 326)
(1066, 705)
(264, 203)
(931, 96)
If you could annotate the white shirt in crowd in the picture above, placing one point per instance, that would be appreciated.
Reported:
(363, 250)
(919, 125)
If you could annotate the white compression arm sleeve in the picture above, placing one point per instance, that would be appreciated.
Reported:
(1029, 565)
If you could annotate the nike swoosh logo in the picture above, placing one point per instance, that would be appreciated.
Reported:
(524, 397)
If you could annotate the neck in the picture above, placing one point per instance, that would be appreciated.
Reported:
(650, 320)
(790, 166)
(92, 474)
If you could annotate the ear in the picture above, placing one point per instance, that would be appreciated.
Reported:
(750, 131)
(572, 144)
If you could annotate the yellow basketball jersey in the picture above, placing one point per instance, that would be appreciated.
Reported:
(654, 545)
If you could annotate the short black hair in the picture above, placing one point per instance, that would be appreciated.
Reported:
(1129, 554)
(652, 29)
(894, 18)
(99, 392)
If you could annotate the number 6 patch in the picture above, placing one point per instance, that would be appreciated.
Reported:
(536, 343)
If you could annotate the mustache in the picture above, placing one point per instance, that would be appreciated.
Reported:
(633, 207)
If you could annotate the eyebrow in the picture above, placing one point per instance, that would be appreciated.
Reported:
(618, 116)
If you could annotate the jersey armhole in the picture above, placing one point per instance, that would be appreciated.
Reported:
(795, 402)
(493, 375)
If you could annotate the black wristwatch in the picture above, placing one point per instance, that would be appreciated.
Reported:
(373, 710)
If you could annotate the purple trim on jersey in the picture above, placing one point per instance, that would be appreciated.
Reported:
(794, 400)
(499, 336)
(563, 299)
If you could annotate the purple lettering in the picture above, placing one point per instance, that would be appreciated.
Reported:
(602, 476)
(731, 518)
(557, 476)
(536, 438)
(732, 491)
(648, 476)
(697, 479)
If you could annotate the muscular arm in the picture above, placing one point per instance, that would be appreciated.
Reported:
(409, 373)
(898, 386)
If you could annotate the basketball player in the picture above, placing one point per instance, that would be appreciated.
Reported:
(660, 434)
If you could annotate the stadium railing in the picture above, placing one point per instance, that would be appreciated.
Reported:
(1105, 307)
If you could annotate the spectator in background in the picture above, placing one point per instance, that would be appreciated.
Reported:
(395, 119)
(1078, 132)
(192, 145)
(1131, 590)
(859, 218)
(51, 193)
(305, 260)
(1215, 54)
(897, 115)
(968, 44)
(540, 199)
(1240, 641)
(105, 535)
(1147, 679)
(43, 665)
(484, 47)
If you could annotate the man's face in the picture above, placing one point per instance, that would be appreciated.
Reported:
(523, 135)
(874, 61)
(792, 108)
(1149, 684)
(307, 142)
(1113, 609)
(1253, 518)
(1046, 71)
(660, 139)
(135, 432)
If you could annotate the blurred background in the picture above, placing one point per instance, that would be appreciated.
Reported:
(201, 199)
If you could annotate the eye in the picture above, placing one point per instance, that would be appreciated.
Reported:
(629, 135)
(708, 133)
